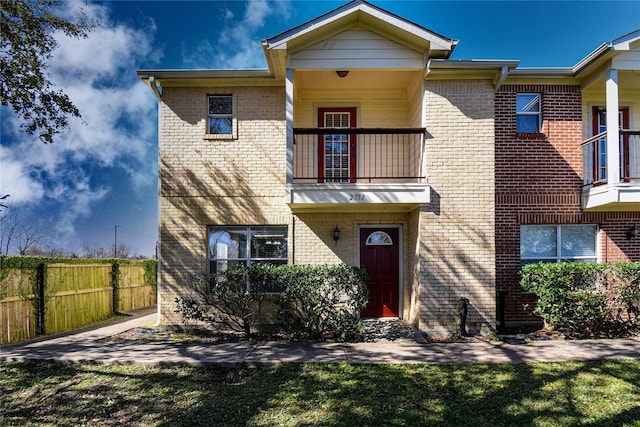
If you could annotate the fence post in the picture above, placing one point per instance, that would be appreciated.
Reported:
(115, 276)
(41, 283)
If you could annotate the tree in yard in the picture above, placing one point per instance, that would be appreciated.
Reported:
(98, 252)
(50, 252)
(94, 252)
(19, 232)
(26, 44)
(8, 225)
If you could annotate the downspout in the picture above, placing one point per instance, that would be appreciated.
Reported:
(501, 78)
(154, 86)
(153, 83)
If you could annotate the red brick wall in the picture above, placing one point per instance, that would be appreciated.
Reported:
(538, 181)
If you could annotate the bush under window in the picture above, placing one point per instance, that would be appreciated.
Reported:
(583, 299)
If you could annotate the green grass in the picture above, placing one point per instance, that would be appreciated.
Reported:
(602, 393)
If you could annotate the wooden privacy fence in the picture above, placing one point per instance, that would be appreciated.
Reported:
(50, 298)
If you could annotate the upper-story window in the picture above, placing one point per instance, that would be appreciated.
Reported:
(220, 108)
(528, 112)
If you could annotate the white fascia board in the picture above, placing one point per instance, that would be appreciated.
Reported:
(623, 43)
(436, 41)
(280, 41)
(590, 59)
(627, 41)
(215, 73)
(526, 72)
(452, 64)
(241, 77)
(461, 66)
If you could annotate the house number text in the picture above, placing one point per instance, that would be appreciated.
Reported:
(357, 197)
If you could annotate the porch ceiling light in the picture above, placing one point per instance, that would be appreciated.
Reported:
(336, 234)
(342, 73)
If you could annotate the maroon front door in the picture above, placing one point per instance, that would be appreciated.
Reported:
(380, 254)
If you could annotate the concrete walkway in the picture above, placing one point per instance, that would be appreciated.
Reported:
(84, 347)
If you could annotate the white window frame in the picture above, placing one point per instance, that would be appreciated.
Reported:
(537, 114)
(248, 259)
(232, 116)
(559, 255)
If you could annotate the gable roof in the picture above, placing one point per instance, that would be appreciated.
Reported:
(591, 65)
(357, 13)
(607, 50)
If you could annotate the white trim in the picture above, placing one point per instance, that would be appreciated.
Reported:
(613, 127)
(289, 104)
(538, 114)
(348, 12)
(558, 257)
(400, 244)
(234, 118)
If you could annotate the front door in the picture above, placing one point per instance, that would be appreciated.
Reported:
(380, 254)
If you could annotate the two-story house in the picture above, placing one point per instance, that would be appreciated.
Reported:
(363, 143)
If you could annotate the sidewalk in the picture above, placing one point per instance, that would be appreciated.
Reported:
(84, 347)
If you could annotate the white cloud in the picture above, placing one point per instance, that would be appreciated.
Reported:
(117, 129)
(241, 35)
(16, 179)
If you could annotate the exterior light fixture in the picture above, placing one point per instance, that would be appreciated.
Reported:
(336, 234)
(633, 232)
(342, 73)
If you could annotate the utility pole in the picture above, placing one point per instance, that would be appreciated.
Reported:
(115, 241)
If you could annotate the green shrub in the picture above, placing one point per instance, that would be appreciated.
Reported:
(318, 300)
(629, 298)
(584, 299)
(226, 299)
(151, 273)
(323, 300)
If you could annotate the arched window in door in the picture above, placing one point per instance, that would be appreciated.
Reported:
(379, 238)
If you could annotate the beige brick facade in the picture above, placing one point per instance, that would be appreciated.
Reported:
(241, 182)
(215, 182)
(485, 179)
(456, 243)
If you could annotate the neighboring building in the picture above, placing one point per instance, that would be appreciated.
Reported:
(363, 143)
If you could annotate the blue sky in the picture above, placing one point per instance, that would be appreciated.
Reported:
(103, 171)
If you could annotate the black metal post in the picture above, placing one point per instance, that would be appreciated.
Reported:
(464, 310)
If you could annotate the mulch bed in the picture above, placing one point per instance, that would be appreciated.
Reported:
(375, 330)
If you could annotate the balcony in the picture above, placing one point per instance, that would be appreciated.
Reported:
(358, 169)
(598, 193)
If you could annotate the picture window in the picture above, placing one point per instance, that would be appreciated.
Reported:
(558, 243)
(239, 245)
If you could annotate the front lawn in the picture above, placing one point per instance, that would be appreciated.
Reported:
(603, 393)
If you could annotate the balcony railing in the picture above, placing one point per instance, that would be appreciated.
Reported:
(358, 155)
(594, 158)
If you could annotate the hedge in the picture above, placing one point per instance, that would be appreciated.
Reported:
(318, 300)
(585, 299)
